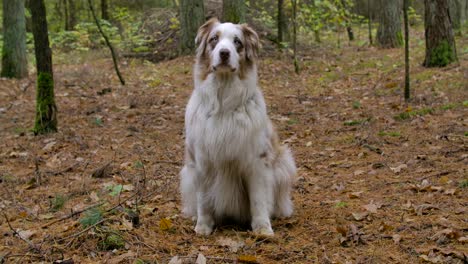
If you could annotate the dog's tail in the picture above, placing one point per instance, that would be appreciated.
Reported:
(285, 174)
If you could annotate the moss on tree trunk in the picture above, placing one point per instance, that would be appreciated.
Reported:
(46, 110)
(440, 42)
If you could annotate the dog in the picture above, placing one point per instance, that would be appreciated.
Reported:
(235, 167)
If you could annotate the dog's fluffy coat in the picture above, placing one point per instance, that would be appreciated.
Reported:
(235, 167)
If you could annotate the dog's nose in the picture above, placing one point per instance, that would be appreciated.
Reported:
(224, 54)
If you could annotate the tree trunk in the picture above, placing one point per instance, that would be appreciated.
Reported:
(192, 16)
(369, 22)
(46, 110)
(296, 63)
(14, 60)
(407, 66)
(234, 11)
(71, 14)
(282, 24)
(66, 12)
(104, 10)
(455, 13)
(389, 31)
(440, 42)
(349, 29)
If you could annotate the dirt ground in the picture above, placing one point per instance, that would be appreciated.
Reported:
(379, 180)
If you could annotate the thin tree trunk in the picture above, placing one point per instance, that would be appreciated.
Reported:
(407, 65)
(369, 15)
(440, 42)
(296, 63)
(46, 110)
(192, 16)
(234, 11)
(282, 24)
(71, 14)
(104, 10)
(14, 60)
(389, 31)
(114, 56)
(65, 12)
(349, 29)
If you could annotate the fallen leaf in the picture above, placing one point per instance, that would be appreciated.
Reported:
(26, 234)
(247, 259)
(234, 246)
(355, 195)
(200, 259)
(399, 168)
(360, 216)
(165, 224)
(396, 239)
(103, 171)
(358, 172)
(423, 208)
(175, 260)
(372, 207)
(120, 258)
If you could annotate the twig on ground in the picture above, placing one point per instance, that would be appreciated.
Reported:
(30, 244)
(84, 230)
(72, 214)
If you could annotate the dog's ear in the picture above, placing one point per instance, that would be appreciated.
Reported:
(252, 42)
(202, 35)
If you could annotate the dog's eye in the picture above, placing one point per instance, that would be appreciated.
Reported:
(213, 39)
(237, 42)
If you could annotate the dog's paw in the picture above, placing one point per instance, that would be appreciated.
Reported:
(264, 231)
(203, 229)
(262, 227)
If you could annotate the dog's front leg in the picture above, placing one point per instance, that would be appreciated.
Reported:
(205, 221)
(260, 188)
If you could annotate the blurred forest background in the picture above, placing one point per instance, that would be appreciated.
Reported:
(371, 96)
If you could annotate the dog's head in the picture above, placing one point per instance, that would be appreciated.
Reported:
(226, 47)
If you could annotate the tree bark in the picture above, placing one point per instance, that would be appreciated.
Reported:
(440, 42)
(282, 24)
(104, 10)
(296, 63)
(192, 16)
(14, 60)
(46, 110)
(234, 11)
(389, 31)
(71, 14)
(369, 22)
(407, 66)
(349, 29)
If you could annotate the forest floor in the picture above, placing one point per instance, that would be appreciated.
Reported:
(379, 180)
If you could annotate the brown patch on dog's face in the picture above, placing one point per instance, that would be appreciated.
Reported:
(202, 41)
(248, 50)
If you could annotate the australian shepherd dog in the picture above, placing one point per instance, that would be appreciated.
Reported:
(235, 166)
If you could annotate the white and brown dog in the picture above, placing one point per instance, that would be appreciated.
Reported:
(235, 167)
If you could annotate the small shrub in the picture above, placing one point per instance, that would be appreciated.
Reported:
(57, 202)
(91, 217)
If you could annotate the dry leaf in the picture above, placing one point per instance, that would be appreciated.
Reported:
(360, 216)
(165, 224)
(399, 168)
(396, 239)
(358, 172)
(25, 234)
(103, 171)
(120, 258)
(200, 259)
(247, 259)
(175, 260)
(355, 195)
(421, 209)
(372, 207)
(234, 246)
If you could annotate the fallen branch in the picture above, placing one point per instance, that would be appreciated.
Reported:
(83, 231)
(30, 244)
(72, 214)
(114, 57)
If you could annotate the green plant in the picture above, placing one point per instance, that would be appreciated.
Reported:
(91, 217)
(112, 241)
(391, 134)
(463, 183)
(356, 122)
(57, 202)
